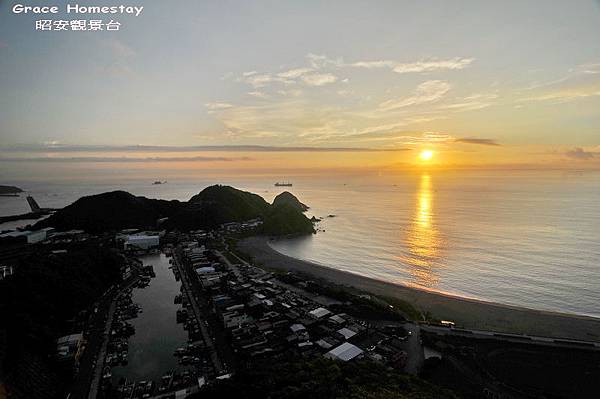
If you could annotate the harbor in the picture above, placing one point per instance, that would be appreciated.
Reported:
(146, 335)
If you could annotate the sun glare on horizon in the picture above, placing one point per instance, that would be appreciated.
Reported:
(426, 155)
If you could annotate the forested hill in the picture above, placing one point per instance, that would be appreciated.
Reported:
(210, 208)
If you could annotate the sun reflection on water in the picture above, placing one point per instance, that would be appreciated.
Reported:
(423, 239)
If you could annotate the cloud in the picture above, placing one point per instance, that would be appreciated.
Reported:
(125, 159)
(294, 73)
(321, 70)
(472, 102)
(215, 106)
(580, 153)
(430, 66)
(258, 94)
(264, 79)
(592, 68)
(470, 140)
(319, 79)
(426, 92)
(62, 148)
(322, 61)
(292, 76)
(373, 64)
(580, 82)
(416, 67)
(565, 95)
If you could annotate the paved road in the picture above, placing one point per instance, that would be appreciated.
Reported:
(95, 338)
(514, 338)
(414, 349)
(97, 375)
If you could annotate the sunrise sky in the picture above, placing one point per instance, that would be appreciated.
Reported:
(481, 84)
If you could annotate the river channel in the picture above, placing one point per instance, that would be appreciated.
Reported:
(157, 333)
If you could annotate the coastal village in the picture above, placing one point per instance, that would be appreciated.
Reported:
(235, 313)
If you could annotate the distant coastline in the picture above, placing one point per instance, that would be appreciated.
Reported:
(10, 191)
(465, 312)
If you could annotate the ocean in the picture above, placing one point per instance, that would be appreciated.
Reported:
(525, 238)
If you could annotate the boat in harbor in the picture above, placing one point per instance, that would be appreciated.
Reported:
(283, 184)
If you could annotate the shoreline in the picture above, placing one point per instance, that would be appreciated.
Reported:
(465, 312)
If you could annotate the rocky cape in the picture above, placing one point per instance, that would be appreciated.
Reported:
(213, 206)
(287, 198)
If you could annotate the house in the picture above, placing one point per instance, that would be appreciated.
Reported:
(344, 352)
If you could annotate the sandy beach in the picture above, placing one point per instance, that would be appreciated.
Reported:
(465, 312)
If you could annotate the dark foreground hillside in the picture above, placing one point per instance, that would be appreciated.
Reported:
(321, 378)
(39, 303)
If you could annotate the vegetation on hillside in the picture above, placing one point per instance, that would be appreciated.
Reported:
(216, 205)
(38, 304)
(284, 219)
(289, 199)
(210, 208)
(113, 210)
(321, 378)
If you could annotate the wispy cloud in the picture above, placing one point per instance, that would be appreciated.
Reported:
(124, 159)
(580, 82)
(374, 64)
(215, 106)
(294, 73)
(62, 148)
(420, 66)
(426, 92)
(591, 68)
(434, 65)
(321, 70)
(471, 140)
(565, 95)
(318, 61)
(258, 94)
(319, 79)
(472, 102)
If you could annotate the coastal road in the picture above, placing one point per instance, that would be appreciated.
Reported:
(105, 337)
(95, 339)
(97, 374)
(414, 349)
(513, 338)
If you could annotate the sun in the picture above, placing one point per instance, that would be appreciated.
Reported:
(426, 155)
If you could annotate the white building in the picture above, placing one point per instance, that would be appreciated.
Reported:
(344, 352)
(32, 237)
(319, 313)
